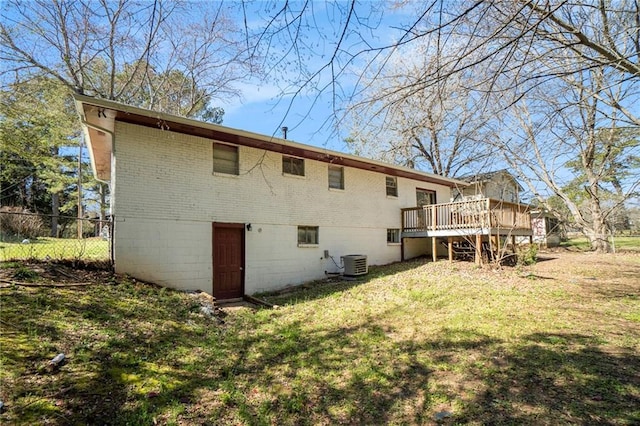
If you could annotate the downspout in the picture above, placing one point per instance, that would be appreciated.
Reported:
(113, 156)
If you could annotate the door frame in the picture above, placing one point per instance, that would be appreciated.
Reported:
(435, 194)
(218, 225)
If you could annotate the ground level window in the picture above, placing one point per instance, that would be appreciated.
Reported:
(292, 166)
(392, 186)
(307, 235)
(393, 235)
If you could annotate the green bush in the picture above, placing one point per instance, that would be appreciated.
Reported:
(527, 256)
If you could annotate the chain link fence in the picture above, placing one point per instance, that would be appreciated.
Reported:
(29, 236)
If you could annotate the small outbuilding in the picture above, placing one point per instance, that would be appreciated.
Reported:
(547, 229)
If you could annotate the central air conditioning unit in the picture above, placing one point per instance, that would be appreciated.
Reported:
(355, 264)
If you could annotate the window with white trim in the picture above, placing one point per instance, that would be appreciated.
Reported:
(393, 235)
(336, 177)
(225, 159)
(307, 235)
(392, 186)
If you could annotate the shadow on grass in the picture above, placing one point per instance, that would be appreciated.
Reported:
(138, 355)
(557, 378)
(540, 259)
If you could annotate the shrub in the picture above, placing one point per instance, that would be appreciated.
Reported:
(18, 223)
(527, 256)
(25, 274)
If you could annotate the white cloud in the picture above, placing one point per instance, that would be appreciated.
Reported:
(253, 93)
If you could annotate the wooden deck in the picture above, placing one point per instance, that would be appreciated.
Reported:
(485, 217)
(463, 219)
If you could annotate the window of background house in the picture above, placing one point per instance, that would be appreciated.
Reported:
(307, 235)
(292, 166)
(393, 235)
(392, 186)
(509, 195)
(336, 177)
(225, 159)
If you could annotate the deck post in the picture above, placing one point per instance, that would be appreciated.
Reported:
(513, 242)
(491, 247)
(450, 246)
(478, 249)
(433, 217)
(434, 248)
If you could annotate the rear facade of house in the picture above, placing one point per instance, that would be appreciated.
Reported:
(196, 208)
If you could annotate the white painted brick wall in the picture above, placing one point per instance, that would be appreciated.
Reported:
(167, 197)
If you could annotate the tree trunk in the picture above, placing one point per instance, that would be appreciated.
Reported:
(102, 188)
(599, 240)
(79, 221)
(55, 212)
(598, 235)
(103, 202)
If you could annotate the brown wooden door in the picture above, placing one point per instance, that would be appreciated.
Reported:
(228, 260)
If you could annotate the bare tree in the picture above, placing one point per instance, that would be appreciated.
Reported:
(566, 73)
(512, 37)
(151, 54)
(567, 139)
(439, 129)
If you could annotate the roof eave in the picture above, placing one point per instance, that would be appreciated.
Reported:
(109, 111)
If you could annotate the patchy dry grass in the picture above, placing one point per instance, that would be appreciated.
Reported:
(557, 342)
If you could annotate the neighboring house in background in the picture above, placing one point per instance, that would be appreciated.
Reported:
(498, 185)
(547, 230)
(201, 206)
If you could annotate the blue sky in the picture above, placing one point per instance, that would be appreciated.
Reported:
(264, 110)
(308, 116)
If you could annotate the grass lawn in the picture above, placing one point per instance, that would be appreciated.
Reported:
(622, 243)
(412, 343)
(56, 248)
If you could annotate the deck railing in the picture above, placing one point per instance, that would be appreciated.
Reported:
(471, 214)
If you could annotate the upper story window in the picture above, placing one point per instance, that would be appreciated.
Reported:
(336, 177)
(292, 166)
(425, 197)
(225, 159)
(509, 195)
(392, 186)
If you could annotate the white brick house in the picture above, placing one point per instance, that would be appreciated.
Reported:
(201, 206)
